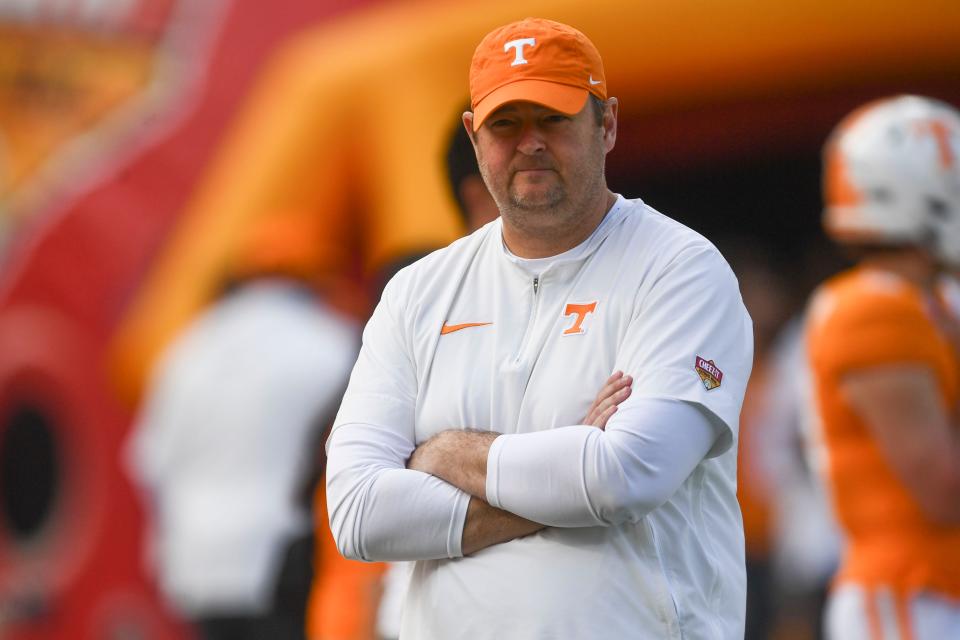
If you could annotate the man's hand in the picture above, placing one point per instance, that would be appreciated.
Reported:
(615, 390)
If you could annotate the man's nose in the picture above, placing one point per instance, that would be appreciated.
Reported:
(531, 140)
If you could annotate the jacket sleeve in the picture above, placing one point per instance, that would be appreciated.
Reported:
(689, 349)
(580, 476)
(378, 509)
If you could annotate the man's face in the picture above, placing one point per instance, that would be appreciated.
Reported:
(540, 164)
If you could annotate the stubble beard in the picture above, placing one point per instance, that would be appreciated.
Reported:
(532, 212)
(550, 213)
(546, 202)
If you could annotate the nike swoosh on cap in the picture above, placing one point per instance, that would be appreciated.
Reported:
(592, 81)
(450, 328)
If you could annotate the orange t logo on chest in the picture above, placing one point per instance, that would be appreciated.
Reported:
(581, 311)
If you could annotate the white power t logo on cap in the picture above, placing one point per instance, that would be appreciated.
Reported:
(518, 45)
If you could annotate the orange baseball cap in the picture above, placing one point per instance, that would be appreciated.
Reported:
(535, 60)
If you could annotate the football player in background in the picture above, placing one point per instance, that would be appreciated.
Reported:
(883, 348)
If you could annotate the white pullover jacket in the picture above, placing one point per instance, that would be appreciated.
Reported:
(474, 337)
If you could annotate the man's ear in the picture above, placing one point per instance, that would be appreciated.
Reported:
(468, 125)
(610, 110)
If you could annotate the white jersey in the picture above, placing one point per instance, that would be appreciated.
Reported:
(224, 437)
(474, 337)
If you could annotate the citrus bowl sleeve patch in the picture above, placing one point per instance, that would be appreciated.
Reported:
(710, 374)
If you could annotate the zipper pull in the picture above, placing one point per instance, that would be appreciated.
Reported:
(536, 284)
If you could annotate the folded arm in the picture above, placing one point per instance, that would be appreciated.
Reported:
(579, 476)
(461, 458)
(378, 509)
(381, 511)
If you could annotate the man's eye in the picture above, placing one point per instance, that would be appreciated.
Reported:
(501, 123)
(556, 117)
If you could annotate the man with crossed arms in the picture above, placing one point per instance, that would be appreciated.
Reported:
(460, 442)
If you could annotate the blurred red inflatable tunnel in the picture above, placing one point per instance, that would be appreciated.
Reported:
(70, 523)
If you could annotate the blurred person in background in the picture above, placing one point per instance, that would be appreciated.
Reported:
(345, 595)
(883, 348)
(474, 203)
(789, 533)
(805, 542)
(228, 436)
(767, 299)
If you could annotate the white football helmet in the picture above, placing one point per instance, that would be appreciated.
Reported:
(892, 176)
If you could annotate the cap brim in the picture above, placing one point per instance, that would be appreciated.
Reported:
(560, 97)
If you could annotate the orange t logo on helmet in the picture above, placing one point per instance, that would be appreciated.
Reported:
(941, 135)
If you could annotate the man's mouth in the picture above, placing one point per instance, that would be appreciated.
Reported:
(534, 171)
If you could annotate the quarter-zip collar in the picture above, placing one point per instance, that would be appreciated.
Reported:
(538, 266)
